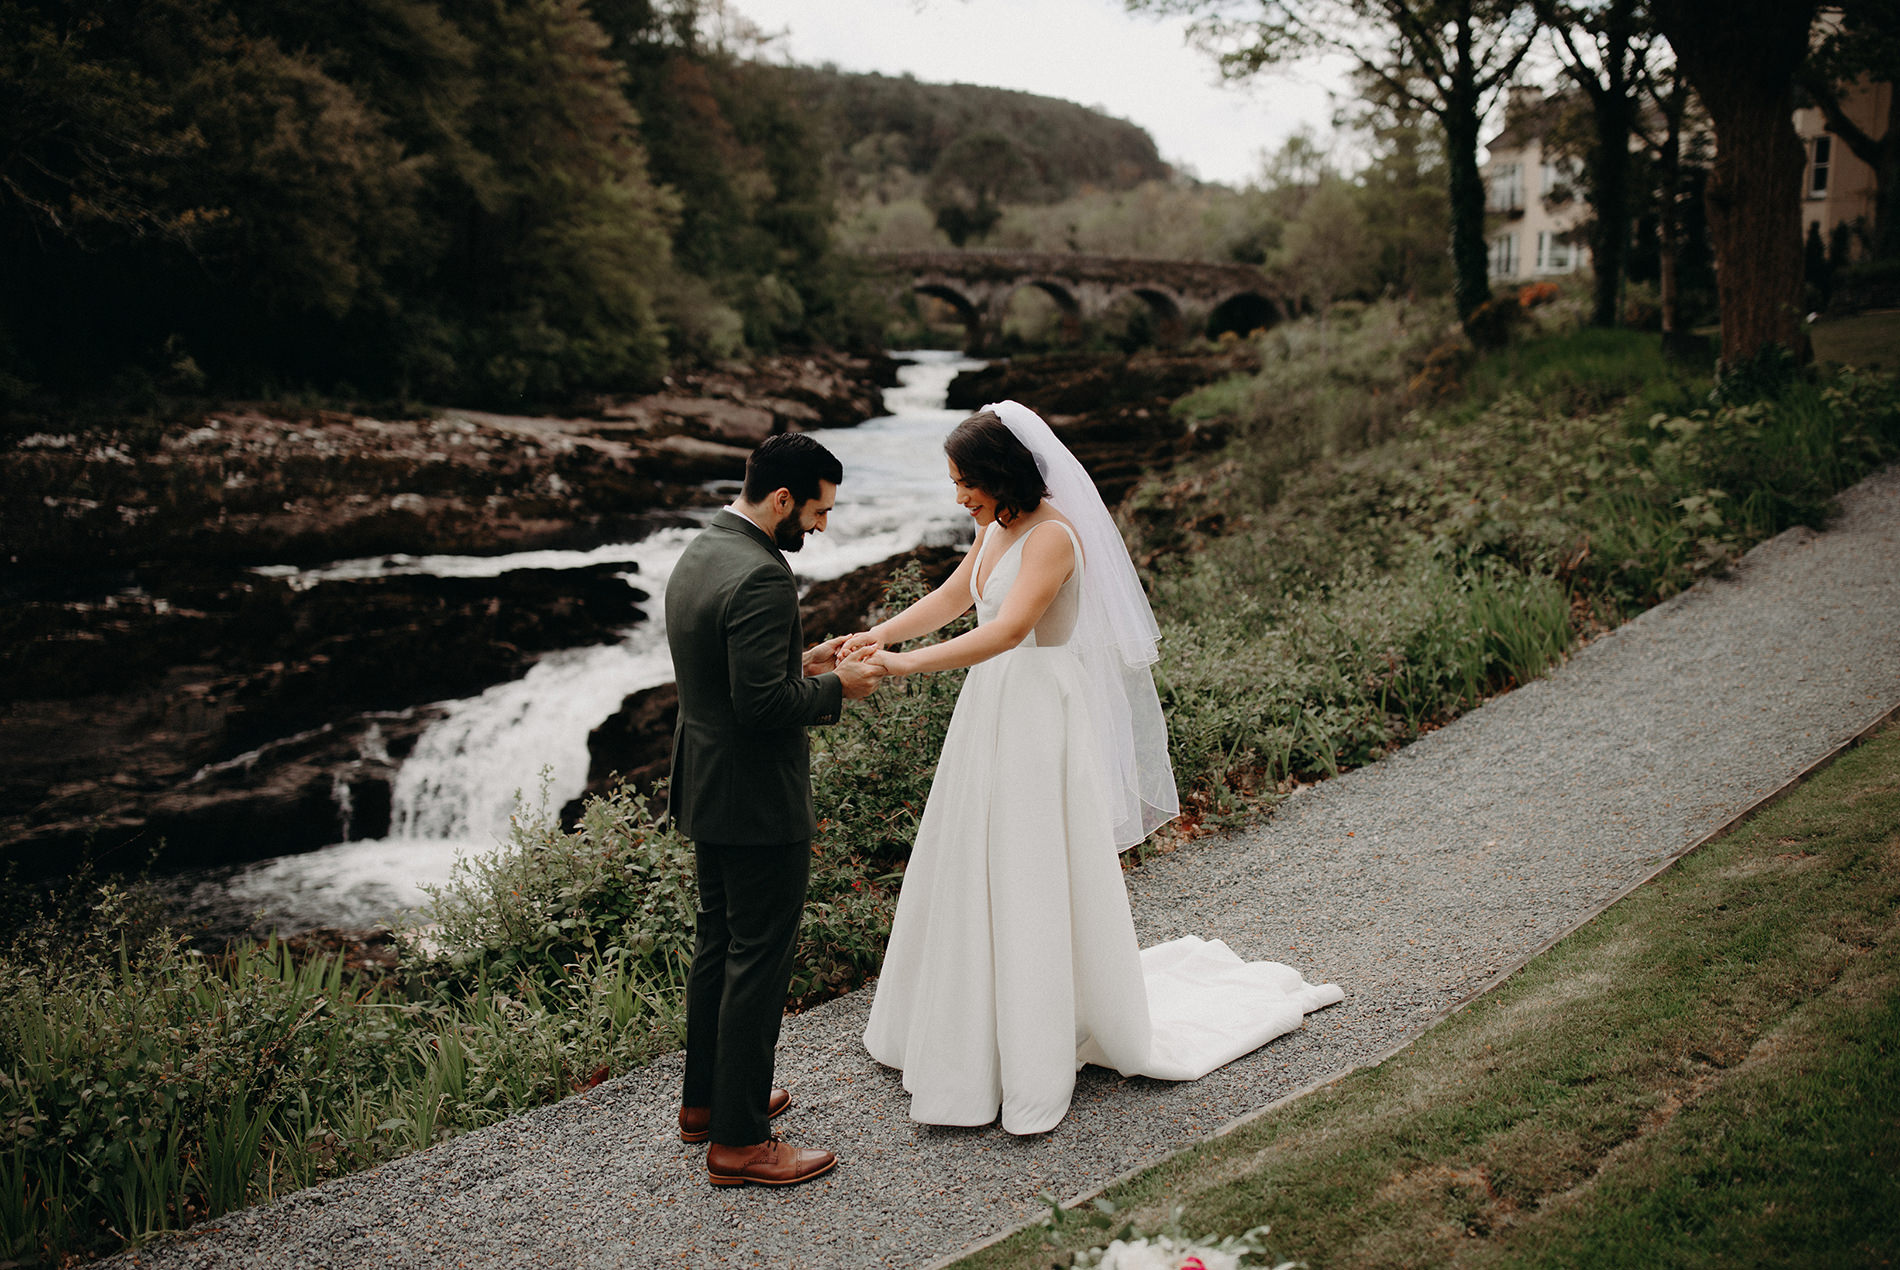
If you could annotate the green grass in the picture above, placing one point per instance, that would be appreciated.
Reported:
(1869, 340)
(1707, 1074)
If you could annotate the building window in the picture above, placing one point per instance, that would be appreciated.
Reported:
(1554, 255)
(1817, 167)
(1506, 194)
(1504, 256)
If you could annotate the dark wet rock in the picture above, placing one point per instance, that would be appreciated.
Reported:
(794, 393)
(840, 606)
(1111, 409)
(271, 484)
(240, 719)
(634, 746)
(684, 458)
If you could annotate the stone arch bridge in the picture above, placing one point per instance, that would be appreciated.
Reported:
(1184, 297)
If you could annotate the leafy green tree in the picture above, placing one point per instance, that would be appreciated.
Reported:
(1449, 58)
(1402, 194)
(970, 180)
(563, 251)
(1326, 252)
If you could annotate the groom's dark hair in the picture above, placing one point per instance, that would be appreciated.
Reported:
(790, 461)
(990, 458)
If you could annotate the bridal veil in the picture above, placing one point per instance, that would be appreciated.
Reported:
(1115, 636)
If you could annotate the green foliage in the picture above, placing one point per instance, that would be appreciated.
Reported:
(144, 1086)
(970, 180)
(1703, 1075)
(890, 133)
(517, 202)
(1343, 577)
(1348, 573)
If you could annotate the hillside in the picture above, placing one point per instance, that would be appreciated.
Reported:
(889, 133)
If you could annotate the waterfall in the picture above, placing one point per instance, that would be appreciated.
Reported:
(455, 792)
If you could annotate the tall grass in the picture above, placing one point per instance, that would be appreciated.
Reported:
(145, 1087)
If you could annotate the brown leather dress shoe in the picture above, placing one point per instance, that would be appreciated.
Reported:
(770, 1163)
(696, 1122)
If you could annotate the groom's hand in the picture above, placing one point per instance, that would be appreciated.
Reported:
(820, 658)
(859, 674)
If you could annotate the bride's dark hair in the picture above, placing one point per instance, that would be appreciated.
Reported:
(990, 458)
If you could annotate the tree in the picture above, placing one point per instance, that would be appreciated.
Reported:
(1603, 45)
(566, 252)
(1326, 252)
(1401, 192)
(1862, 43)
(1741, 57)
(1450, 58)
(1673, 103)
(968, 183)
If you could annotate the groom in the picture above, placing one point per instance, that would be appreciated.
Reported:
(741, 791)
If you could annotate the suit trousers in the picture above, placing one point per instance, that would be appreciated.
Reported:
(751, 900)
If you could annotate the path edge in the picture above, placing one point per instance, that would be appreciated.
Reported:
(1668, 862)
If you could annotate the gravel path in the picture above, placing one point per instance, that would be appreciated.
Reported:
(1410, 883)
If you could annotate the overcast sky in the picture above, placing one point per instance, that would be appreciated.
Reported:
(1137, 67)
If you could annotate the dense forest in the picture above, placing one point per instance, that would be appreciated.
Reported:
(509, 201)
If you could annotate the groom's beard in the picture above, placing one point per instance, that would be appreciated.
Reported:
(790, 534)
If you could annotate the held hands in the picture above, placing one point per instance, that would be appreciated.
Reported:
(859, 672)
(823, 658)
(852, 643)
(865, 645)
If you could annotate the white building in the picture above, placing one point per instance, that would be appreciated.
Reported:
(1535, 200)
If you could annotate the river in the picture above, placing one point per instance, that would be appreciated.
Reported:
(455, 793)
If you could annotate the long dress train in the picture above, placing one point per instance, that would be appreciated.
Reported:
(1013, 957)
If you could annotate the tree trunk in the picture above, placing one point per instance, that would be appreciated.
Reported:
(1741, 57)
(1609, 240)
(1470, 262)
(1668, 227)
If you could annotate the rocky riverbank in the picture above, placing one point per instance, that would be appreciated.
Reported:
(1112, 410)
(156, 689)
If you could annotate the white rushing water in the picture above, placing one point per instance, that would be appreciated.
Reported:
(456, 791)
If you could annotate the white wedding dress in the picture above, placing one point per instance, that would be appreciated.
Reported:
(1012, 958)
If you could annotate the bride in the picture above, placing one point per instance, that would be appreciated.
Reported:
(1012, 956)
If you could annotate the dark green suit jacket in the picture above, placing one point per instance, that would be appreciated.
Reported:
(741, 761)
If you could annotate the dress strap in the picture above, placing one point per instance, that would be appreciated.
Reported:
(1075, 543)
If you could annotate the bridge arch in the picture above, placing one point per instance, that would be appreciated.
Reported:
(1242, 313)
(1181, 296)
(1068, 305)
(1170, 326)
(966, 310)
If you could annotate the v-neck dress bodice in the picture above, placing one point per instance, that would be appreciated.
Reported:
(1057, 622)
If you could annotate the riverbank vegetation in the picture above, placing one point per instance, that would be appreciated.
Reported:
(1397, 529)
(1704, 1075)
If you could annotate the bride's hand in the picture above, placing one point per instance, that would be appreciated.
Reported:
(852, 643)
(894, 665)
